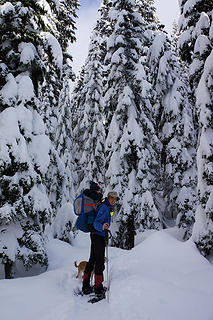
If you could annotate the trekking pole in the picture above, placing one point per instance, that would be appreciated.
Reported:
(107, 258)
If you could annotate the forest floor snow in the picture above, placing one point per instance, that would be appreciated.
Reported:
(162, 278)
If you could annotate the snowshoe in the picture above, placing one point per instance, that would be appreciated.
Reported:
(97, 298)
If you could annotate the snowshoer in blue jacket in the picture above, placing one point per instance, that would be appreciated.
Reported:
(98, 243)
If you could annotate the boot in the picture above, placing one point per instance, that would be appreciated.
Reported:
(86, 288)
(99, 289)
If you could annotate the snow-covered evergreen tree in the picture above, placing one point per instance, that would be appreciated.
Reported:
(131, 145)
(57, 33)
(64, 136)
(174, 123)
(88, 112)
(24, 206)
(196, 24)
(32, 174)
(203, 229)
(90, 130)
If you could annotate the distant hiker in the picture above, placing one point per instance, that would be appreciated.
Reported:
(94, 192)
(85, 206)
(98, 242)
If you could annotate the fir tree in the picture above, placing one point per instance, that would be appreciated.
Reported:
(196, 47)
(174, 124)
(131, 145)
(57, 34)
(88, 108)
(88, 111)
(25, 209)
(203, 229)
(64, 136)
(33, 176)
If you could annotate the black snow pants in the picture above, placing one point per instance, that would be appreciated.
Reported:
(97, 253)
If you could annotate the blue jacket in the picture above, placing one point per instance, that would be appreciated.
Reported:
(103, 216)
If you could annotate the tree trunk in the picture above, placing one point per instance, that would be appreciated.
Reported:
(8, 269)
(130, 238)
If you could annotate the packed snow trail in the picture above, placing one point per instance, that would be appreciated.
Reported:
(162, 278)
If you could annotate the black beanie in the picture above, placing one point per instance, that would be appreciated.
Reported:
(94, 186)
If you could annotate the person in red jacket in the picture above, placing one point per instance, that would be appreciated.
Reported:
(98, 242)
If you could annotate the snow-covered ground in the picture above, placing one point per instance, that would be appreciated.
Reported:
(162, 278)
